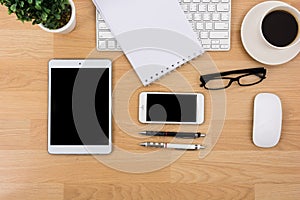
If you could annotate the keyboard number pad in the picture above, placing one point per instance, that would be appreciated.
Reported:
(211, 22)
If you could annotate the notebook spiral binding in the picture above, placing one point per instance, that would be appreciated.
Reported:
(171, 68)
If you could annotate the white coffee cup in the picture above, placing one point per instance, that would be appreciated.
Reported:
(289, 9)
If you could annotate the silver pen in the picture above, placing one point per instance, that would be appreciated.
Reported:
(172, 146)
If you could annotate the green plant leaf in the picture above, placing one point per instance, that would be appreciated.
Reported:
(38, 7)
(57, 16)
(47, 10)
(38, 2)
(44, 16)
(13, 7)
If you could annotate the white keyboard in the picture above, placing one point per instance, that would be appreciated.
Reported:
(210, 19)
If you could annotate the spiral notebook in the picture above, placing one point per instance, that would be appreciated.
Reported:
(154, 35)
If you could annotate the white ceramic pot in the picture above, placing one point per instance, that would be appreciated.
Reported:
(68, 27)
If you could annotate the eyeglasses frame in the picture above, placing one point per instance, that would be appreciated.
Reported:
(252, 71)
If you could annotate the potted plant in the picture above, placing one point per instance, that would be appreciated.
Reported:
(55, 16)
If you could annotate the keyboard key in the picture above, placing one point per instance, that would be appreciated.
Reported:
(204, 35)
(200, 26)
(105, 35)
(192, 25)
(205, 1)
(111, 44)
(218, 35)
(224, 46)
(202, 8)
(193, 7)
(206, 46)
(224, 41)
(197, 16)
(100, 17)
(206, 16)
(189, 16)
(224, 16)
(208, 26)
(215, 16)
(102, 25)
(205, 41)
(221, 26)
(196, 1)
(215, 41)
(102, 44)
(222, 7)
(215, 46)
(211, 8)
(185, 7)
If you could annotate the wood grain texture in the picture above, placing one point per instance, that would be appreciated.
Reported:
(277, 191)
(28, 191)
(235, 169)
(154, 191)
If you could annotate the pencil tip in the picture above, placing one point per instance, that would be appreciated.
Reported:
(143, 144)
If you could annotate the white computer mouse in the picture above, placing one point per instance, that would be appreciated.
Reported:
(267, 120)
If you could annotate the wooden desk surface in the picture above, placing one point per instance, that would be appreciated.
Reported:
(235, 169)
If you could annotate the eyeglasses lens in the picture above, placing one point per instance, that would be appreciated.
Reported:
(250, 79)
(217, 83)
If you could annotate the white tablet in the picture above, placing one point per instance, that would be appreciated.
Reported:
(79, 107)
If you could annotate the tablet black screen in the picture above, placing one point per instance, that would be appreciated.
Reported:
(79, 112)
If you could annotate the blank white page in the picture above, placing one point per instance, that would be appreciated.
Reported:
(154, 34)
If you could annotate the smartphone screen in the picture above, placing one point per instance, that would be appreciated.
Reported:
(171, 108)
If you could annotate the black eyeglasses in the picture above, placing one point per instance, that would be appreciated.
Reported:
(218, 81)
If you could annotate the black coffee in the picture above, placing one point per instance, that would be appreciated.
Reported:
(280, 28)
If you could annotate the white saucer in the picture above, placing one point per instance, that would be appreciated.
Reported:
(255, 45)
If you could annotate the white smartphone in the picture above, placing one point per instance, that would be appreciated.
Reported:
(171, 108)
